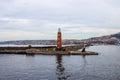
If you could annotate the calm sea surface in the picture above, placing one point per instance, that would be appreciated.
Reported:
(105, 66)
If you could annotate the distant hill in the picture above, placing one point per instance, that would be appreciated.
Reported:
(116, 35)
(107, 39)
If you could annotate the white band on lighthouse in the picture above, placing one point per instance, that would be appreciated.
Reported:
(59, 30)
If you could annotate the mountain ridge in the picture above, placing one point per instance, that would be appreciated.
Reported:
(107, 39)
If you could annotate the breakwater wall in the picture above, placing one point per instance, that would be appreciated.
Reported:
(49, 50)
(24, 48)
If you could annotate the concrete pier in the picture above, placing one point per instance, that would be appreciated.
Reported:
(48, 50)
(36, 51)
(60, 52)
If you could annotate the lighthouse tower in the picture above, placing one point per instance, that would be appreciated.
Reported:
(59, 39)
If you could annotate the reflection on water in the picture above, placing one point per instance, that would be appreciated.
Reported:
(32, 55)
(84, 62)
(83, 66)
(60, 69)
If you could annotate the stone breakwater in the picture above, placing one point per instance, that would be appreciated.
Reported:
(44, 51)
(36, 51)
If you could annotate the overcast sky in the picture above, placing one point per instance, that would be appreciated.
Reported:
(40, 19)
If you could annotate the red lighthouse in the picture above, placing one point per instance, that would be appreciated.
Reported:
(59, 39)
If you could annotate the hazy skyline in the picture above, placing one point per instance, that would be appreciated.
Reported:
(40, 19)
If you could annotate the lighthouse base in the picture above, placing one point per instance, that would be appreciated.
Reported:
(59, 49)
